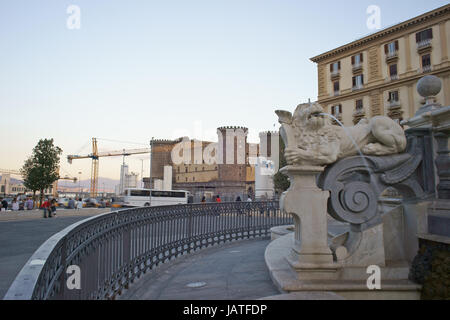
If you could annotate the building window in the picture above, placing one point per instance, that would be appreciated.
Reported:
(186, 179)
(391, 48)
(424, 35)
(336, 110)
(193, 178)
(336, 87)
(357, 60)
(358, 81)
(393, 71)
(426, 62)
(186, 169)
(393, 96)
(335, 67)
(359, 105)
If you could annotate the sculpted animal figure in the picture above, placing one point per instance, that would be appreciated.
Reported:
(311, 139)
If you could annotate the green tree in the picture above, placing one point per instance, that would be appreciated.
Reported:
(280, 181)
(41, 169)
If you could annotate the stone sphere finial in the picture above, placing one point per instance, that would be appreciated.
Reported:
(429, 86)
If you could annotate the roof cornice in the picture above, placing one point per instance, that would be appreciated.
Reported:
(372, 37)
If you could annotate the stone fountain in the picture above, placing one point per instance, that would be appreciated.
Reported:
(338, 178)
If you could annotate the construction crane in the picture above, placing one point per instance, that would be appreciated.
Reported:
(95, 155)
(8, 171)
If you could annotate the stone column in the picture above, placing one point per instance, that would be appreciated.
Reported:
(310, 256)
(443, 164)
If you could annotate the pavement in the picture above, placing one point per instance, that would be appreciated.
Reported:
(22, 232)
(38, 214)
(233, 271)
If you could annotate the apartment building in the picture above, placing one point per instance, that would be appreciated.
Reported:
(377, 74)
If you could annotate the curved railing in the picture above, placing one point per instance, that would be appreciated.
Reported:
(114, 249)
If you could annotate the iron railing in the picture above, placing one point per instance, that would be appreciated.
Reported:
(114, 249)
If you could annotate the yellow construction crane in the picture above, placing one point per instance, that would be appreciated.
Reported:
(95, 155)
(8, 171)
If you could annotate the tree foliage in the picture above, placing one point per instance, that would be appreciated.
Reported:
(41, 169)
(281, 182)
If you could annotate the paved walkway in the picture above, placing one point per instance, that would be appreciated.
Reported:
(37, 214)
(233, 271)
(23, 232)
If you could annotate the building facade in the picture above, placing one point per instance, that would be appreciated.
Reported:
(377, 75)
(206, 168)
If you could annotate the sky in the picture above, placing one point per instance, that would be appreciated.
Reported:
(141, 69)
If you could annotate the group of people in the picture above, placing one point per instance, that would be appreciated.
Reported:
(218, 199)
(48, 205)
(16, 204)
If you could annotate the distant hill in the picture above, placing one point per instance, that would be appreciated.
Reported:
(109, 184)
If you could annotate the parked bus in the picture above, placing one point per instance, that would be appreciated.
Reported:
(135, 197)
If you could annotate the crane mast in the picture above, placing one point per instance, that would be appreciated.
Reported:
(95, 155)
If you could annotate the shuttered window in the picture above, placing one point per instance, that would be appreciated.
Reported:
(424, 35)
(393, 70)
(391, 47)
(359, 104)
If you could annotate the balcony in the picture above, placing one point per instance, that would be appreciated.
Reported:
(358, 114)
(335, 74)
(357, 87)
(391, 56)
(394, 109)
(426, 69)
(338, 116)
(424, 45)
(357, 67)
(394, 77)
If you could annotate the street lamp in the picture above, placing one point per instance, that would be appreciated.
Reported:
(79, 182)
(150, 176)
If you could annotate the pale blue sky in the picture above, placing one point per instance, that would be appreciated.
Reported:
(138, 69)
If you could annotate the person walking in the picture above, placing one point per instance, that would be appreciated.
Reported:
(249, 199)
(203, 199)
(46, 207)
(218, 200)
(238, 199)
(53, 207)
(71, 203)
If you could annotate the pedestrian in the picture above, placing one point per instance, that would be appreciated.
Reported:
(46, 207)
(15, 205)
(238, 199)
(203, 199)
(218, 200)
(249, 199)
(53, 207)
(29, 204)
(4, 204)
(80, 204)
(71, 203)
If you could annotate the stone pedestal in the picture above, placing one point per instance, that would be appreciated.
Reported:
(310, 256)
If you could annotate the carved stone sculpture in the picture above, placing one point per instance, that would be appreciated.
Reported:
(311, 139)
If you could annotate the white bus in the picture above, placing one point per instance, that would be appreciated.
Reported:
(135, 197)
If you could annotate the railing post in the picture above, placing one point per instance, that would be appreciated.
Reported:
(126, 249)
